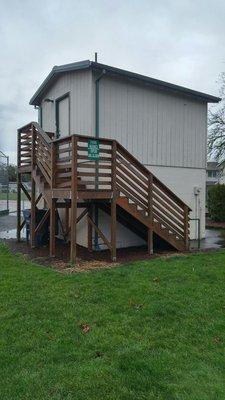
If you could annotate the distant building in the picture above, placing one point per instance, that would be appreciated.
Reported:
(221, 167)
(212, 175)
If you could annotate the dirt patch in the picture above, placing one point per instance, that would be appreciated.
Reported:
(85, 260)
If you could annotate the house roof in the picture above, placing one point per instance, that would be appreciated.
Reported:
(87, 64)
(212, 165)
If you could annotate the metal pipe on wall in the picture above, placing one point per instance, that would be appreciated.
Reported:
(97, 115)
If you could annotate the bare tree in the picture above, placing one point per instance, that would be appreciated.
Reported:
(216, 123)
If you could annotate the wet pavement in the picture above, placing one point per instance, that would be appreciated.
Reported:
(214, 239)
(8, 227)
(13, 205)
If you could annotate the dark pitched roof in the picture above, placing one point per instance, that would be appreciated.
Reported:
(87, 64)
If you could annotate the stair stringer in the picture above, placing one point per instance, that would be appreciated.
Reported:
(157, 227)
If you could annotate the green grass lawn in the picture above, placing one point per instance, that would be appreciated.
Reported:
(156, 330)
(12, 196)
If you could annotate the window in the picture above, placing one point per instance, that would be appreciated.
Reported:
(212, 174)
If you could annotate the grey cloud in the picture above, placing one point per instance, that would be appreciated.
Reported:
(180, 41)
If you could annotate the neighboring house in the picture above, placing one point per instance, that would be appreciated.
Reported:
(212, 175)
(163, 125)
(221, 167)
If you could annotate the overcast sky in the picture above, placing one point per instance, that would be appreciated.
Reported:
(179, 41)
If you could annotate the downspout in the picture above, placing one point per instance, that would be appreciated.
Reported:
(97, 115)
(39, 108)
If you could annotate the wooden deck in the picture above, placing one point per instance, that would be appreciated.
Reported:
(66, 177)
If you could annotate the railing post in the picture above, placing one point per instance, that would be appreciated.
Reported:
(52, 202)
(150, 213)
(53, 164)
(113, 202)
(186, 227)
(73, 216)
(89, 228)
(33, 190)
(18, 187)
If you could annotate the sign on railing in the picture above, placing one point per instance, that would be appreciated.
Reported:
(93, 149)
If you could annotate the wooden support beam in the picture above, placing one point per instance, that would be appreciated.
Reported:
(73, 217)
(33, 192)
(22, 225)
(186, 227)
(100, 233)
(52, 228)
(33, 214)
(67, 205)
(113, 230)
(41, 223)
(78, 220)
(18, 207)
(150, 214)
(25, 191)
(113, 203)
(52, 203)
(89, 228)
(67, 221)
(18, 188)
(38, 198)
(84, 212)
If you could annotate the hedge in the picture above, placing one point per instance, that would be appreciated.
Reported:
(216, 203)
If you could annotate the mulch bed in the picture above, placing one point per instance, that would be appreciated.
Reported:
(85, 260)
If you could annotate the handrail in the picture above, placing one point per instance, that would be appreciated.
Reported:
(148, 173)
(39, 129)
(42, 133)
(63, 139)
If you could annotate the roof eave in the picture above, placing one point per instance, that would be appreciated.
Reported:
(175, 88)
(37, 97)
(56, 70)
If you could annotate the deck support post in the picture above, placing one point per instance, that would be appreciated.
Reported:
(52, 228)
(73, 216)
(150, 214)
(18, 207)
(89, 228)
(33, 190)
(33, 213)
(52, 203)
(186, 227)
(67, 216)
(113, 229)
(18, 188)
(113, 202)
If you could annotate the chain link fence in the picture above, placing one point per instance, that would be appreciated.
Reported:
(4, 184)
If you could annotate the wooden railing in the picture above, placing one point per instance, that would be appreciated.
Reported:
(151, 197)
(91, 174)
(115, 171)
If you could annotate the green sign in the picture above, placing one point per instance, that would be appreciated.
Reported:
(93, 149)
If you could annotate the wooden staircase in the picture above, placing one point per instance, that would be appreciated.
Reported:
(63, 173)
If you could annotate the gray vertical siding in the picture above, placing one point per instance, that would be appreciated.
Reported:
(158, 127)
(80, 88)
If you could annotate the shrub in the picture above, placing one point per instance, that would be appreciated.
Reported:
(216, 202)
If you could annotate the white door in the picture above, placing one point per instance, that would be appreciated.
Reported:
(63, 116)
